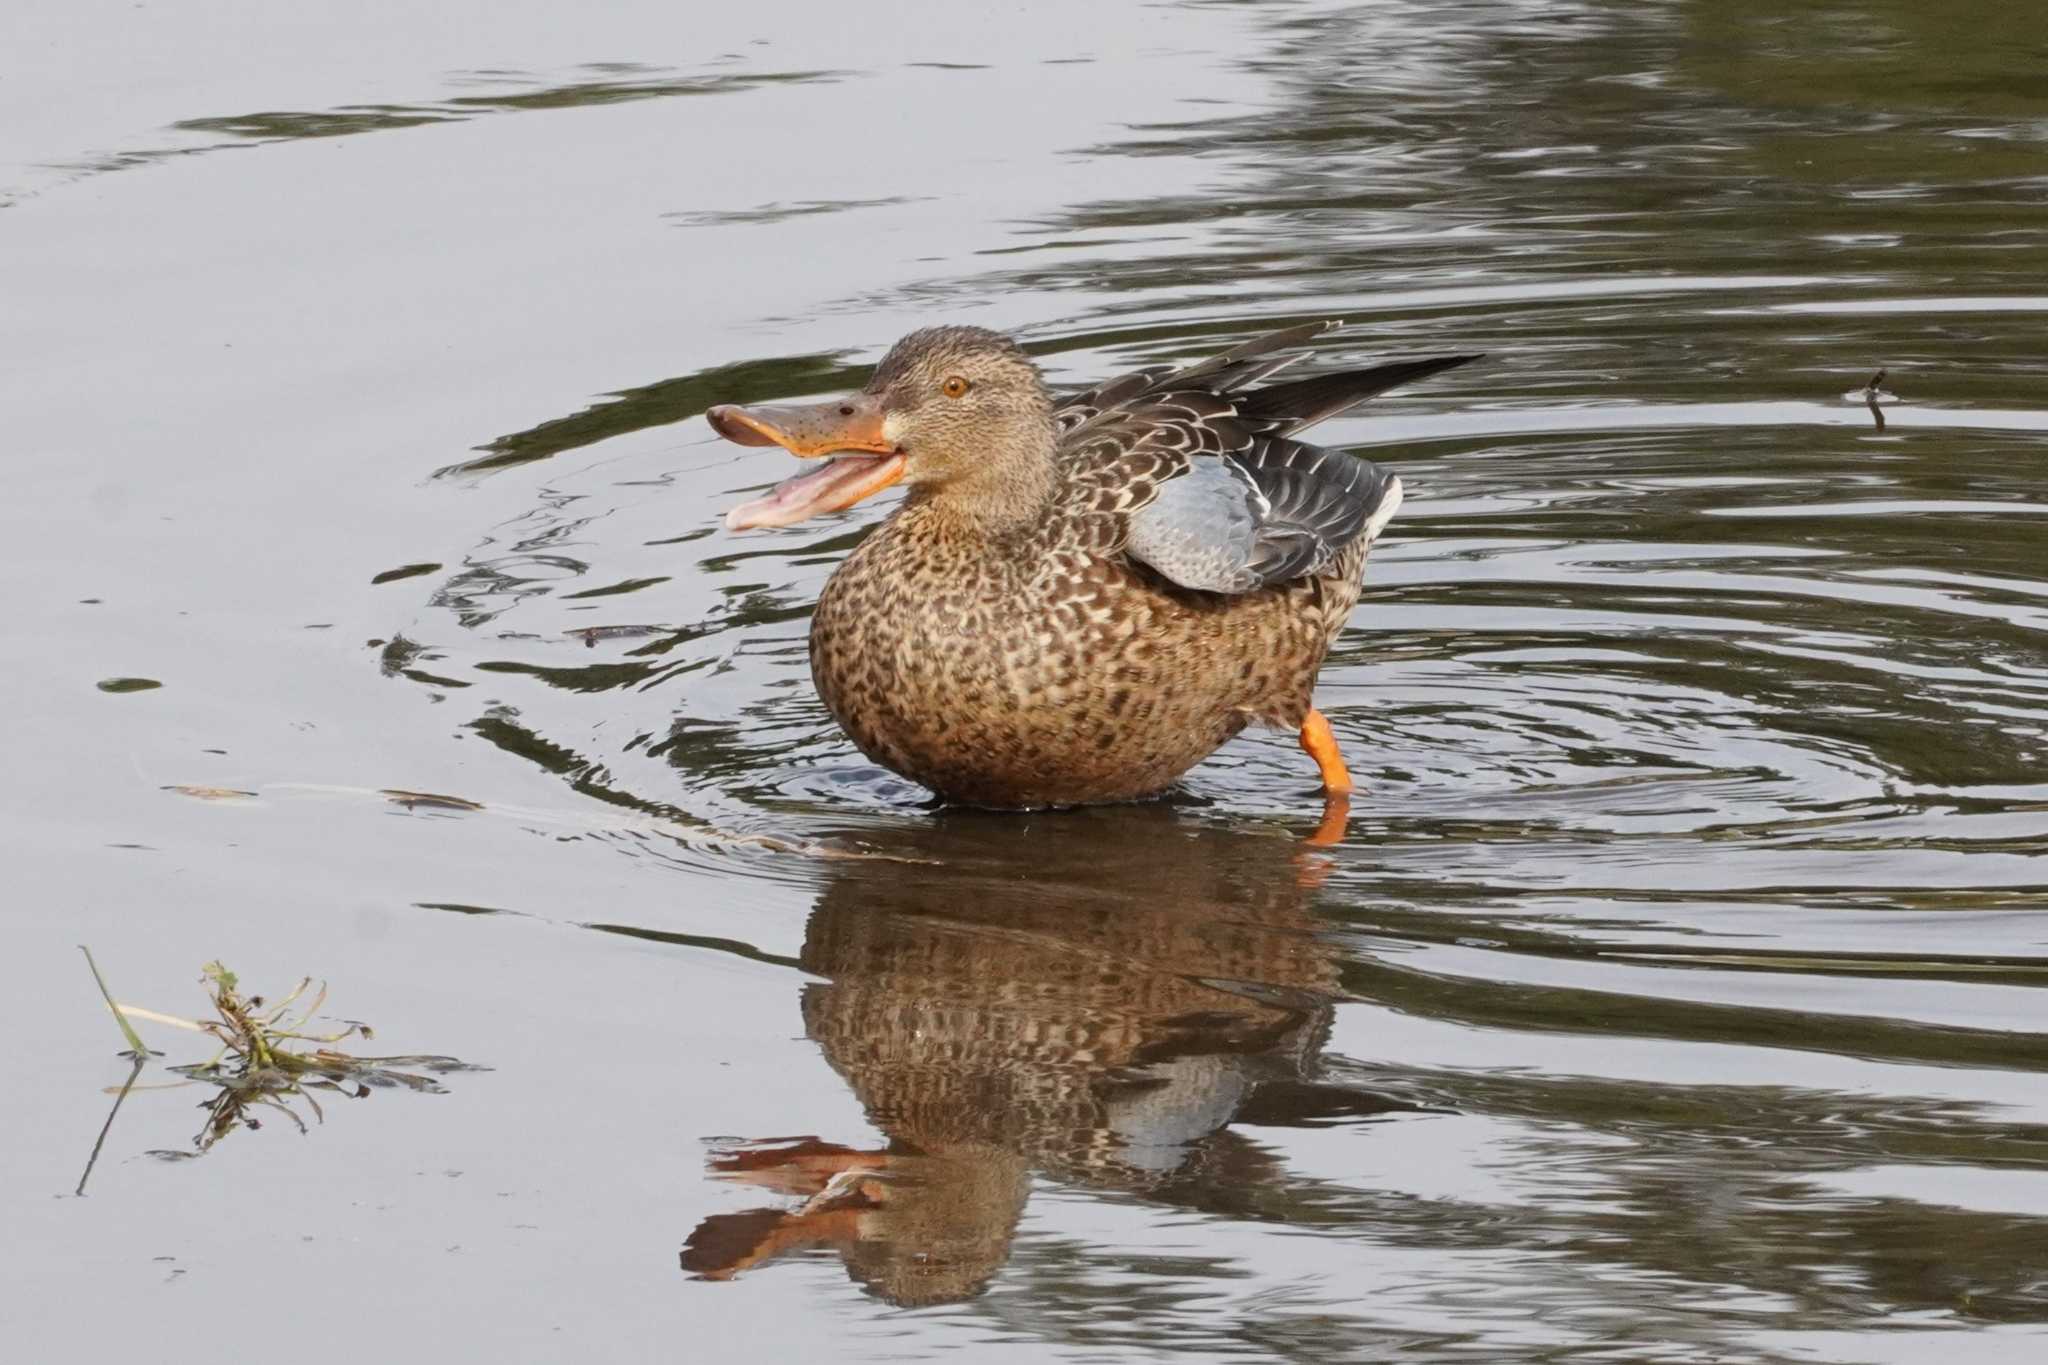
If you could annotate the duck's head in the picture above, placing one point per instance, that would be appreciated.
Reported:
(949, 409)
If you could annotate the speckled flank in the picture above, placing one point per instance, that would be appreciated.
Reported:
(1078, 678)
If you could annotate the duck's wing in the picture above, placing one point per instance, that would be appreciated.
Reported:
(1193, 473)
(1230, 372)
(1277, 511)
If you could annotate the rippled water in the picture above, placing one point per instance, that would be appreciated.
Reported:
(1675, 996)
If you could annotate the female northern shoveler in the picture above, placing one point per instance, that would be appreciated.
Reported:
(1083, 596)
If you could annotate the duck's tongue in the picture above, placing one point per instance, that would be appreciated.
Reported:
(842, 481)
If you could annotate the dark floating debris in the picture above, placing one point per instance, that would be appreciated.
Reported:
(261, 1062)
(403, 571)
(203, 793)
(397, 654)
(127, 684)
(1872, 395)
(590, 635)
(427, 800)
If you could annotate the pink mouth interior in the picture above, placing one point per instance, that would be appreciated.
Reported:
(812, 493)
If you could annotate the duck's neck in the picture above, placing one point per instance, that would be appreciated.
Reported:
(1009, 491)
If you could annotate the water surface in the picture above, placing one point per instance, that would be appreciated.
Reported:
(1675, 996)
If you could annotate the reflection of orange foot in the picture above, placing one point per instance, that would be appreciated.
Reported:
(725, 1244)
(1330, 833)
(803, 1166)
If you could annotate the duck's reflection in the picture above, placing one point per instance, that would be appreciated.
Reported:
(1095, 997)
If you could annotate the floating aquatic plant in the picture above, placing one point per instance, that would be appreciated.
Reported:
(267, 1059)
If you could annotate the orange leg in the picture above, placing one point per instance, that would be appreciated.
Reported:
(1321, 746)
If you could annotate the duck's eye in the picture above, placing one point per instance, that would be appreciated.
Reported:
(956, 386)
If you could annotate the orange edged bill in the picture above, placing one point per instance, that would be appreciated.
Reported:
(860, 461)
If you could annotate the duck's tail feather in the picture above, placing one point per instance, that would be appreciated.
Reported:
(1286, 339)
(1287, 408)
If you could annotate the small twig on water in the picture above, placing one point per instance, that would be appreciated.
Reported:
(135, 1047)
(156, 1017)
(1870, 393)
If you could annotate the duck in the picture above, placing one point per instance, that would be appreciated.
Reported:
(1082, 595)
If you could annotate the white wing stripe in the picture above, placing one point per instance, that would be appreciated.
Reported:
(1390, 503)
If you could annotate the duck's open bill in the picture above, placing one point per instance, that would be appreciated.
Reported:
(863, 462)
